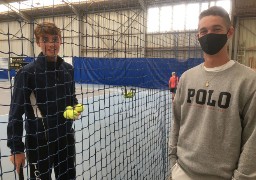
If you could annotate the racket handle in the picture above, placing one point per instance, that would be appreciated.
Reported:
(21, 175)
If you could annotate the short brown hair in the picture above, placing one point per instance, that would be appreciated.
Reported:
(216, 11)
(46, 28)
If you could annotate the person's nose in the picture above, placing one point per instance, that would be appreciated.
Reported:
(50, 44)
(209, 31)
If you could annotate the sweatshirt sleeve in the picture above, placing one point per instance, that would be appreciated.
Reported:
(15, 121)
(246, 168)
(175, 126)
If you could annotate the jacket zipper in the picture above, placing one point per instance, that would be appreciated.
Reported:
(44, 130)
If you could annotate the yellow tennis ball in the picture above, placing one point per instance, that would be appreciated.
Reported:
(69, 108)
(79, 107)
(73, 114)
(66, 114)
(130, 94)
(70, 114)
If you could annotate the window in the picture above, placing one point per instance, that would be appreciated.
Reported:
(165, 18)
(179, 17)
(153, 24)
(191, 18)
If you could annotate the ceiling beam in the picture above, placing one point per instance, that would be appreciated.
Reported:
(74, 9)
(17, 11)
(10, 1)
(143, 5)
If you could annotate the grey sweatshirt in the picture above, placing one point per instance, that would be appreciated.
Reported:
(213, 133)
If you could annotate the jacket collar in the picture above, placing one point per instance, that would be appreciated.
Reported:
(48, 64)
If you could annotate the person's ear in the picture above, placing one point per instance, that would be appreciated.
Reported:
(230, 32)
(60, 39)
(38, 44)
(197, 36)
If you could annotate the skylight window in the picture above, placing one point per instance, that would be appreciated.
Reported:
(179, 17)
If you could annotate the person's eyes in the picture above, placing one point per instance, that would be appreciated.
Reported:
(217, 29)
(45, 40)
(203, 32)
(55, 40)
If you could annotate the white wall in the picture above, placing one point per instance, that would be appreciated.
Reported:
(15, 39)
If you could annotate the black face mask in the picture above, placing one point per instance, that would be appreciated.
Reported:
(212, 43)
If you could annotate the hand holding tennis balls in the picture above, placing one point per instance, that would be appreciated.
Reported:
(79, 108)
(73, 113)
(70, 113)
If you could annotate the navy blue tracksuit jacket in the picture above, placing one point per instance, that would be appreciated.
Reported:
(42, 90)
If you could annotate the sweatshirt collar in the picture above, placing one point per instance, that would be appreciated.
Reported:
(49, 64)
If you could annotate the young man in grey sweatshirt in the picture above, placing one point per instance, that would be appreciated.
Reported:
(213, 132)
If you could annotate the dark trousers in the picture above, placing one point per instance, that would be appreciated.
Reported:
(173, 90)
(59, 154)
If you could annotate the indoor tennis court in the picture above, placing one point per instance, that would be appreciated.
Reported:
(116, 137)
(122, 54)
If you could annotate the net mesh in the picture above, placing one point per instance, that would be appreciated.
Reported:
(121, 76)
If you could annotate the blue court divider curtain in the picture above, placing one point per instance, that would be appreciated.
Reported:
(4, 73)
(139, 72)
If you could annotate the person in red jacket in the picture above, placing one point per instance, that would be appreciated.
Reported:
(173, 82)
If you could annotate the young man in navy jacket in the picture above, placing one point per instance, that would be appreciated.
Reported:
(42, 91)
